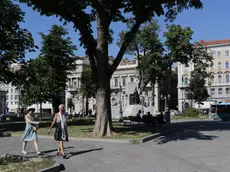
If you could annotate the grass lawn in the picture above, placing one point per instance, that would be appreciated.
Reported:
(83, 128)
(28, 166)
(177, 117)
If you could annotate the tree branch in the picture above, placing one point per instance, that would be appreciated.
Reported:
(128, 38)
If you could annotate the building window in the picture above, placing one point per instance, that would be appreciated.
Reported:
(16, 102)
(219, 53)
(227, 90)
(212, 91)
(212, 79)
(212, 67)
(227, 78)
(124, 81)
(219, 65)
(131, 79)
(11, 97)
(185, 81)
(220, 91)
(116, 82)
(11, 103)
(219, 78)
(226, 65)
(11, 90)
(226, 53)
(16, 97)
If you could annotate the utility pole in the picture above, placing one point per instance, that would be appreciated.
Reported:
(120, 111)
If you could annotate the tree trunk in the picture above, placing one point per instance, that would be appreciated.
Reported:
(103, 125)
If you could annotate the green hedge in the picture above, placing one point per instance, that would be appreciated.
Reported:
(190, 112)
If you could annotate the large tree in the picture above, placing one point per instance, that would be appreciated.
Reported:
(46, 76)
(83, 12)
(14, 41)
(57, 54)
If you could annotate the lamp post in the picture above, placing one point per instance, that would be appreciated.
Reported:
(120, 111)
(142, 105)
(182, 95)
(209, 97)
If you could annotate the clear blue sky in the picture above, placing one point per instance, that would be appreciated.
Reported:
(210, 23)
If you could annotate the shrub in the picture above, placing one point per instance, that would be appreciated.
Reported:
(190, 112)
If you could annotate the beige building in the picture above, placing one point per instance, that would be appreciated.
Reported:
(123, 83)
(219, 85)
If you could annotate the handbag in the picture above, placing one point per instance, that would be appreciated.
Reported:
(35, 127)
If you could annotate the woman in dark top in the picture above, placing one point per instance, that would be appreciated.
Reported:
(61, 134)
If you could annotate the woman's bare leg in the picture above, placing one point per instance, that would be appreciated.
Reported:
(62, 148)
(24, 146)
(59, 149)
(36, 145)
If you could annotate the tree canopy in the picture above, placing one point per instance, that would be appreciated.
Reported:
(15, 41)
(202, 61)
(46, 76)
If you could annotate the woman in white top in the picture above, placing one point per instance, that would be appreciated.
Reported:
(61, 134)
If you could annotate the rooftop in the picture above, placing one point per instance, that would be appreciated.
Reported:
(215, 42)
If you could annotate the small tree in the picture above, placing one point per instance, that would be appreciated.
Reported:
(202, 60)
(88, 85)
(148, 49)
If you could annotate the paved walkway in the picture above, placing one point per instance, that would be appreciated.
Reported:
(188, 150)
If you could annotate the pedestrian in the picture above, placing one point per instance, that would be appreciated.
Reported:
(61, 133)
(30, 133)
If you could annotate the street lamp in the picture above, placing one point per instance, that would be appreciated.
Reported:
(120, 111)
(209, 97)
(182, 95)
(142, 105)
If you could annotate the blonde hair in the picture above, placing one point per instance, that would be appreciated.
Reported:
(61, 106)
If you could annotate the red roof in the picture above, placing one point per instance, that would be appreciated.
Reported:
(214, 42)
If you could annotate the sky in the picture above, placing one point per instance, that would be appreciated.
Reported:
(209, 23)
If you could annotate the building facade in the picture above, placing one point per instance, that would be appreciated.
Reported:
(219, 84)
(13, 96)
(123, 83)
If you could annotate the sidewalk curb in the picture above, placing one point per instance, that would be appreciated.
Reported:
(124, 141)
(55, 168)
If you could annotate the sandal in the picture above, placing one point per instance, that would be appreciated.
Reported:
(64, 157)
(58, 153)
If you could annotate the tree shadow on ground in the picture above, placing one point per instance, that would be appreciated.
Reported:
(129, 129)
(191, 130)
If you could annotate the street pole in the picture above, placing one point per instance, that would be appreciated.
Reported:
(142, 102)
(210, 108)
(182, 95)
(121, 111)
